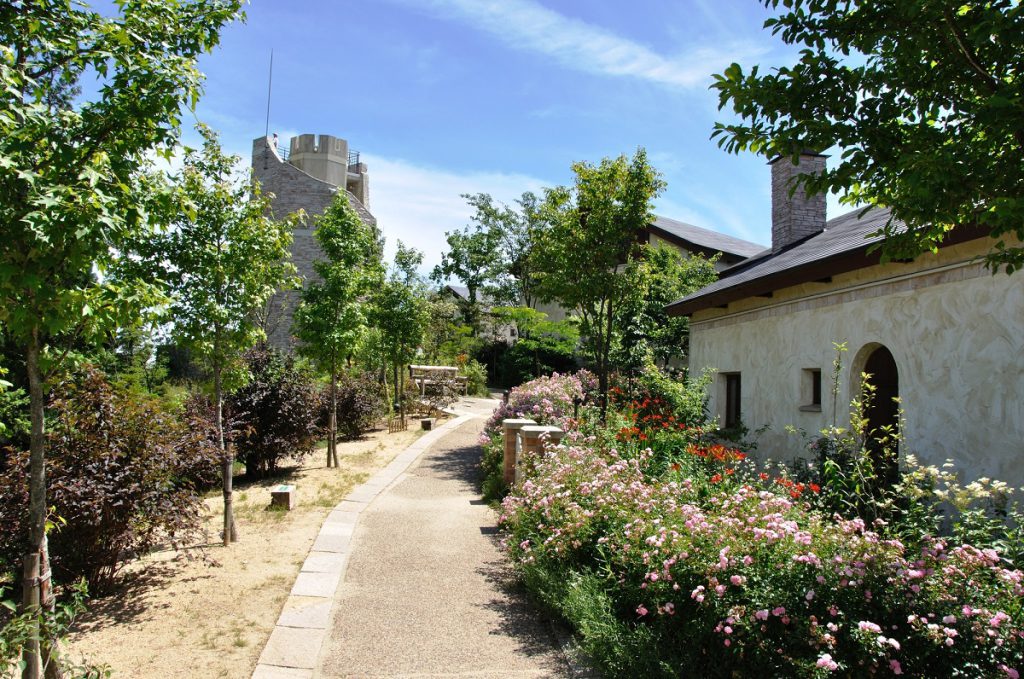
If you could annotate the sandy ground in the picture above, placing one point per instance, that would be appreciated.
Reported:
(186, 615)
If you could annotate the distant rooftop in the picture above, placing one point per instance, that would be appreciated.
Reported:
(703, 239)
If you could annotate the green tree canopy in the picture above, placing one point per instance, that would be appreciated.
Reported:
(331, 319)
(398, 310)
(595, 233)
(70, 193)
(658, 276)
(473, 258)
(924, 100)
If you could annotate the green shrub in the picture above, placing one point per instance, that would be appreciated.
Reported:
(18, 629)
(121, 478)
(275, 414)
(530, 358)
(476, 377)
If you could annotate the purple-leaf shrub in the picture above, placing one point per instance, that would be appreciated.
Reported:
(276, 414)
(121, 478)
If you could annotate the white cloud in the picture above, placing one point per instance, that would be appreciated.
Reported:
(418, 204)
(526, 24)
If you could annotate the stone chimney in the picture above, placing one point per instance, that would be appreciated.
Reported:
(796, 216)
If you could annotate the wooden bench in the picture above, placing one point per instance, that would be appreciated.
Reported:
(424, 376)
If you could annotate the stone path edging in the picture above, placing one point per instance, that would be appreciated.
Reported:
(294, 645)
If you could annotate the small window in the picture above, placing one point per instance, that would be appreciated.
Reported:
(733, 414)
(810, 390)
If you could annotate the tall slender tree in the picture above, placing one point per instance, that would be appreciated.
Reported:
(594, 234)
(398, 310)
(224, 257)
(69, 189)
(331, 316)
(473, 257)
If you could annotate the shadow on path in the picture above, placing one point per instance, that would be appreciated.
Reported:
(457, 464)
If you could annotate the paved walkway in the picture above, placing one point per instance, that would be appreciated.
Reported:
(424, 588)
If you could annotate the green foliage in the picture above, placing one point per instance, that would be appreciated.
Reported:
(14, 421)
(685, 399)
(330, 318)
(123, 476)
(658, 277)
(398, 310)
(131, 360)
(223, 257)
(595, 229)
(71, 190)
(476, 377)
(17, 629)
(923, 100)
(543, 347)
(446, 336)
(275, 413)
(361, 404)
(472, 258)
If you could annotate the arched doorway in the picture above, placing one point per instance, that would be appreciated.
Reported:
(883, 411)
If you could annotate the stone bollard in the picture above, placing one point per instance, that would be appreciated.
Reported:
(511, 429)
(282, 496)
(533, 442)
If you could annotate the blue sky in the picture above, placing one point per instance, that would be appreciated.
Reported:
(444, 97)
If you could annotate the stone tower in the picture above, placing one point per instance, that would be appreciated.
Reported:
(307, 176)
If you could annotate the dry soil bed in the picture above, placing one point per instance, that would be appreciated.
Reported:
(182, 615)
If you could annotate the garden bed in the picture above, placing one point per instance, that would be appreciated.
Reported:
(672, 554)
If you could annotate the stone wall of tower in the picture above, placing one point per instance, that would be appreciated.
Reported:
(293, 190)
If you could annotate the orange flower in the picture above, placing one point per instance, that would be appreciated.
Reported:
(716, 478)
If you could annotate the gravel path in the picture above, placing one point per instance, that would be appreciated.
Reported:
(427, 592)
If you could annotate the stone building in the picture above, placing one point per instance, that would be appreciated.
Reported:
(306, 175)
(941, 332)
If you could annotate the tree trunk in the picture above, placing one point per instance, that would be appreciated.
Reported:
(401, 391)
(332, 419)
(394, 370)
(227, 468)
(605, 349)
(36, 506)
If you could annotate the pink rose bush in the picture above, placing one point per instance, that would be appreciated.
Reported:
(547, 400)
(668, 575)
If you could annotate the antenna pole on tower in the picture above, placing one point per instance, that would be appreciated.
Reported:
(270, 82)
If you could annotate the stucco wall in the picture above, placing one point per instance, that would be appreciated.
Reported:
(955, 331)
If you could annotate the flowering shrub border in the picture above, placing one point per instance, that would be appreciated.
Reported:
(710, 567)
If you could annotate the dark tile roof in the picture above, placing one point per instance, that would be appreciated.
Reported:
(460, 290)
(705, 239)
(846, 237)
